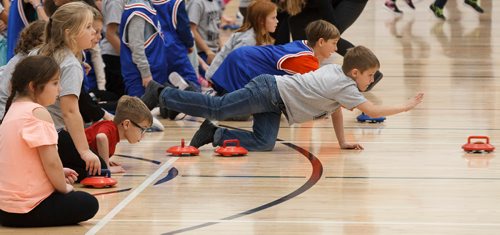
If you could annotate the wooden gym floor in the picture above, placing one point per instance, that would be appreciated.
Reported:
(412, 177)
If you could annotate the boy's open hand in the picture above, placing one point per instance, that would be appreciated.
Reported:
(415, 101)
(351, 146)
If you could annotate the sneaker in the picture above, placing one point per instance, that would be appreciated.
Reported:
(178, 81)
(204, 135)
(156, 126)
(151, 94)
(391, 6)
(410, 4)
(438, 12)
(377, 77)
(474, 5)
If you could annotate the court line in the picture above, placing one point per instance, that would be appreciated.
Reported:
(317, 172)
(130, 197)
(315, 222)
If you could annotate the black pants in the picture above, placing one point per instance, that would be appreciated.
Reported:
(345, 13)
(113, 73)
(56, 210)
(70, 157)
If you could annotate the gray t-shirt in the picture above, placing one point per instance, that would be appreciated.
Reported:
(71, 84)
(112, 12)
(236, 40)
(317, 94)
(5, 77)
(206, 15)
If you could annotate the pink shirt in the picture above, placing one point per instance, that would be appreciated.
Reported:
(23, 182)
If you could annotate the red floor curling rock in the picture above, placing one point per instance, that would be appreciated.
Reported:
(229, 151)
(478, 146)
(183, 150)
(104, 180)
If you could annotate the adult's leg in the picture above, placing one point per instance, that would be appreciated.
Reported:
(56, 210)
(345, 14)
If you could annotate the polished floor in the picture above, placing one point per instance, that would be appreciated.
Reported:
(412, 178)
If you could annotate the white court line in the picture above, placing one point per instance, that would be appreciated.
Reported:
(317, 222)
(130, 197)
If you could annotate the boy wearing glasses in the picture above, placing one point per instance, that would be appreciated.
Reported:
(132, 119)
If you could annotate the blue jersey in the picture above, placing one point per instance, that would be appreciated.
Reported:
(18, 20)
(247, 62)
(177, 34)
(89, 80)
(153, 47)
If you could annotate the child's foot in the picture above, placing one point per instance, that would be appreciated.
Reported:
(438, 12)
(377, 77)
(391, 6)
(204, 135)
(150, 97)
(474, 5)
(156, 126)
(410, 3)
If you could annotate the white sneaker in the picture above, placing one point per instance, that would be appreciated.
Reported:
(156, 126)
(178, 81)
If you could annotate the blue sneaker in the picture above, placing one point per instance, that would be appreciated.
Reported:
(365, 118)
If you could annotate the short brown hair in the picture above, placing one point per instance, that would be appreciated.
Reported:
(132, 108)
(320, 29)
(361, 58)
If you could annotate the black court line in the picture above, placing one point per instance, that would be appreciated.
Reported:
(408, 178)
(317, 172)
(111, 192)
(243, 176)
(139, 158)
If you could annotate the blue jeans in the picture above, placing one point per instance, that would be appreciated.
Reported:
(259, 98)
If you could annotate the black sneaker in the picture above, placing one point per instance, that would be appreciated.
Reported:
(474, 5)
(204, 135)
(391, 6)
(151, 94)
(377, 77)
(438, 12)
(410, 3)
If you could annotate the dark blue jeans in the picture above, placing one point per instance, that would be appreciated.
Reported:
(259, 98)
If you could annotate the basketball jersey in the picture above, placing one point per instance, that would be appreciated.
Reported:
(176, 51)
(153, 47)
(17, 21)
(247, 62)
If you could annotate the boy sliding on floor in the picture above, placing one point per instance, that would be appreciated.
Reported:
(301, 97)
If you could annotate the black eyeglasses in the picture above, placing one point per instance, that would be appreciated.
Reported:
(143, 130)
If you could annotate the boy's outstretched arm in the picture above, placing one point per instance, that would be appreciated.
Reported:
(102, 144)
(338, 126)
(375, 111)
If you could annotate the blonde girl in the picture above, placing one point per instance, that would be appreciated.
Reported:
(35, 189)
(69, 32)
(255, 31)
